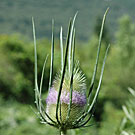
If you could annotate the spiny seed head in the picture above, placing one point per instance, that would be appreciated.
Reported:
(78, 97)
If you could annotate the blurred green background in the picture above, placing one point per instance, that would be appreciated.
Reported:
(17, 59)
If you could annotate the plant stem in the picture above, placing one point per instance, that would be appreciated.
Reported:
(63, 132)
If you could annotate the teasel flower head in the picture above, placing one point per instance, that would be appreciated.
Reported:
(79, 99)
(67, 105)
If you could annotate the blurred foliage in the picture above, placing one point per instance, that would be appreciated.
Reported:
(127, 126)
(18, 119)
(111, 119)
(17, 67)
(17, 80)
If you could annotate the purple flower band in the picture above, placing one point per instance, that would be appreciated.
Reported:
(77, 98)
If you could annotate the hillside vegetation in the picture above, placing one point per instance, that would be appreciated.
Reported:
(15, 15)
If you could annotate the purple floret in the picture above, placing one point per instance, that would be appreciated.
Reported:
(77, 98)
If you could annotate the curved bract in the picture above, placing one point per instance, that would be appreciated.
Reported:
(67, 106)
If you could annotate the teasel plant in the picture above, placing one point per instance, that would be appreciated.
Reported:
(127, 125)
(67, 105)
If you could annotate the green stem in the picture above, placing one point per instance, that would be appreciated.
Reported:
(63, 132)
